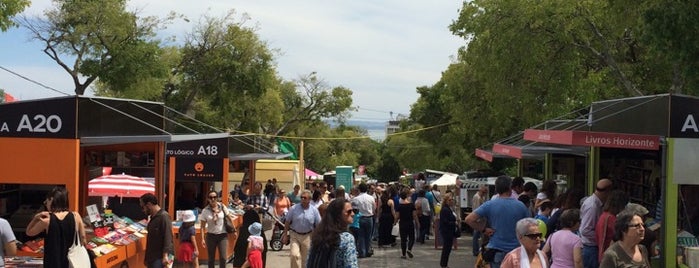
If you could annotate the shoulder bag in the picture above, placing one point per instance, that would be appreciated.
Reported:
(77, 253)
(227, 221)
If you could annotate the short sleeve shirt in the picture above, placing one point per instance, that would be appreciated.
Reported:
(503, 214)
(562, 244)
(6, 235)
(214, 223)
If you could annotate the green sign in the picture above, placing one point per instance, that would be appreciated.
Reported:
(344, 176)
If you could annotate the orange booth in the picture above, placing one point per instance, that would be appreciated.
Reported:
(68, 141)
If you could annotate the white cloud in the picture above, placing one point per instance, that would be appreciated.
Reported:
(382, 50)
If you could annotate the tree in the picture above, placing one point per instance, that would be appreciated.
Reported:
(98, 39)
(311, 101)
(8, 9)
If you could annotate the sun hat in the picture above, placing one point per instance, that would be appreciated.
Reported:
(255, 228)
(188, 216)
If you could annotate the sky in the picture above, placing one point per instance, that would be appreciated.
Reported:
(381, 50)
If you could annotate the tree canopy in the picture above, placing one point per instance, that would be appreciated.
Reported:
(8, 9)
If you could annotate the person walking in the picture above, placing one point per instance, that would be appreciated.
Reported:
(255, 246)
(159, 246)
(8, 242)
(281, 204)
(387, 217)
(627, 250)
(59, 225)
(366, 205)
(407, 217)
(212, 225)
(564, 245)
(447, 228)
(300, 221)
(424, 212)
(331, 236)
(502, 215)
(478, 199)
(240, 255)
(188, 252)
(528, 254)
(604, 229)
(590, 211)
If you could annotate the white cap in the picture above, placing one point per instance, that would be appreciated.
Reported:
(188, 216)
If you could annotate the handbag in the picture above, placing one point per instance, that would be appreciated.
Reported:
(77, 253)
(227, 221)
(395, 230)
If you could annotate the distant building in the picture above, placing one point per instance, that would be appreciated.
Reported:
(393, 126)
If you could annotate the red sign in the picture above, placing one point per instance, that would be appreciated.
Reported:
(485, 155)
(596, 139)
(509, 150)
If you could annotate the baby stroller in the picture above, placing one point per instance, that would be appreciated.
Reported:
(275, 243)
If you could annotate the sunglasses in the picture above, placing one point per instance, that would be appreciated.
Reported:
(534, 236)
(637, 225)
(350, 212)
(212, 197)
(304, 197)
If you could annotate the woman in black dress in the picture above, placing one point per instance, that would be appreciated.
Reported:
(59, 225)
(387, 217)
(407, 217)
(241, 244)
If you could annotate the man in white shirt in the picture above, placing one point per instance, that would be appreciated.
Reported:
(366, 204)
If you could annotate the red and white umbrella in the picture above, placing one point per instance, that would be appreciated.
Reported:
(121, 185)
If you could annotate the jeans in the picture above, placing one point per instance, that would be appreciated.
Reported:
(366, 226)
(214, 241)
(589, 256)
(476, 242)
(497, 260)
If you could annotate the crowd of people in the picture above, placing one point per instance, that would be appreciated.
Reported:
(520, 226)
(523, 228)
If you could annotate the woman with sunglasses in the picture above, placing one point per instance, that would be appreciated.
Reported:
(331, 236)
(528, 254)
(626, 251)
(212, 224)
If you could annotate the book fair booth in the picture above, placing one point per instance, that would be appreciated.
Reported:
(106, 153)
(649, 147)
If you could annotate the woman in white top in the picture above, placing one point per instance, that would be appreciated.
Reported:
(212, 224)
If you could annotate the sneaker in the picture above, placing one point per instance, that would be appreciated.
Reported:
(402, 257)
(410, 254)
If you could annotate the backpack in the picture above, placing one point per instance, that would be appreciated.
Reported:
(322, 257)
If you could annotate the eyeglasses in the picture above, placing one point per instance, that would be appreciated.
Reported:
(534, 236)
(212, 197)
(637, 225)
(349, 212)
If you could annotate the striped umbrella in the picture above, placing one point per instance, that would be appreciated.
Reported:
(121, 185)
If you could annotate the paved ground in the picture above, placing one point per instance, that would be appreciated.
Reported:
(425, 256)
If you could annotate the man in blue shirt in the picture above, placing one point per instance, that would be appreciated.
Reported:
(301, 219)
(502, 214)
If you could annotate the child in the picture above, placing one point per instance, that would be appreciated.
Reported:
(255, 246)
(188, 251)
